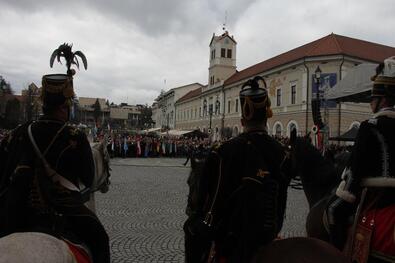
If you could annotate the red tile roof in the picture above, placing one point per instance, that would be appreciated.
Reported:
(329, 45)
(190, 95)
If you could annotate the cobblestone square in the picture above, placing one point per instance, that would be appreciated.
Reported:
(145, 209)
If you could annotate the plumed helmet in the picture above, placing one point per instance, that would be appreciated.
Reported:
(384, 80)
(254, 100)
(57, 89)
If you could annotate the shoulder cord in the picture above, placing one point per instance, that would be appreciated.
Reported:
(55, 177)
(385, 157)
(384, 150)
(208, 220)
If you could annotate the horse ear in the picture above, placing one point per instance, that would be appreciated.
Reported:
(293, 136)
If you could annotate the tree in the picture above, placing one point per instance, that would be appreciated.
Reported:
(5, 87)
(12, 113)
(145, 116)
(96, 110)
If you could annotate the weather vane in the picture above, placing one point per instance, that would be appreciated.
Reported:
(224, 24)
(70, 57)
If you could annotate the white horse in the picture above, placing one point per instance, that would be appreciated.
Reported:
(35, 247)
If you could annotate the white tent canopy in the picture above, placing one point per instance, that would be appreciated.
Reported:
(175, 132)
(355, 86)
(151, 130)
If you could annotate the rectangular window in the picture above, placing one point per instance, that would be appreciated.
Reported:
(223, 51)
(229, 55)
(229, 106)
(200, 111)
(278, 97)
(212, 80)
(293, 94)
(237, 105)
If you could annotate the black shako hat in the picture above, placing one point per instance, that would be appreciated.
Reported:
(254, 100)
(384, 80)
(57, 89)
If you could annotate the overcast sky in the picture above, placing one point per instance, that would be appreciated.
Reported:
(133, 46)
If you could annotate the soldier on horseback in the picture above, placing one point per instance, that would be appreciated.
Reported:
(242, 189)
(373, 156)
(43, 165)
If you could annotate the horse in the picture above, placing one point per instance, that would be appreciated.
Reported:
(319, 177)
(290, 250)
(101, 181)
(41, 247)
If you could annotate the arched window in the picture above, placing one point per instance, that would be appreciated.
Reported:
(292, 125)
(278, 129)
(235, 131)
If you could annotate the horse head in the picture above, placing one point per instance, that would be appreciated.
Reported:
(102, 166)
(318, 175)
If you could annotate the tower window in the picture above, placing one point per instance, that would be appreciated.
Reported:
(212, 80)
(223, 51)
(229, 55)
(213, 54)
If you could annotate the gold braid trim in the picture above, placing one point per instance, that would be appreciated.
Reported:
(66, 88)
(251, 106)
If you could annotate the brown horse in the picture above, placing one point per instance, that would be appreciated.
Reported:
(319, 177)
(290, 250)
(299, 250)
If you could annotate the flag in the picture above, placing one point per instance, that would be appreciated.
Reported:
(138, 147)
(125, 145)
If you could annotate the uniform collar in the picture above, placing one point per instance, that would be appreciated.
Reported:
(387, 112)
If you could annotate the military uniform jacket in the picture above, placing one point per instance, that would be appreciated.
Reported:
(240, 157)
(70, 155)
(367, 155)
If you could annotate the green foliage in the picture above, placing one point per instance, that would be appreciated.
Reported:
(146, 117)
(5, 87)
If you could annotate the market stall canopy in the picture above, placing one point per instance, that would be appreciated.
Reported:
(175, 133)
(153, 130)
(185, 133)
(196, 134)
(348, 136)
(356, 85)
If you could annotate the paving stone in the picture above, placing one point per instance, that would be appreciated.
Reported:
(144, 210)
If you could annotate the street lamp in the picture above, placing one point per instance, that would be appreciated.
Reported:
(317, 80)
(210, 112)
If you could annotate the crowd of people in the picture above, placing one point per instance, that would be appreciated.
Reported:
(124, 145)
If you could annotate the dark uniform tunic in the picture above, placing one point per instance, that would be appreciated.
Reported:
(70, 155)
(366, 161)
(242, 157)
